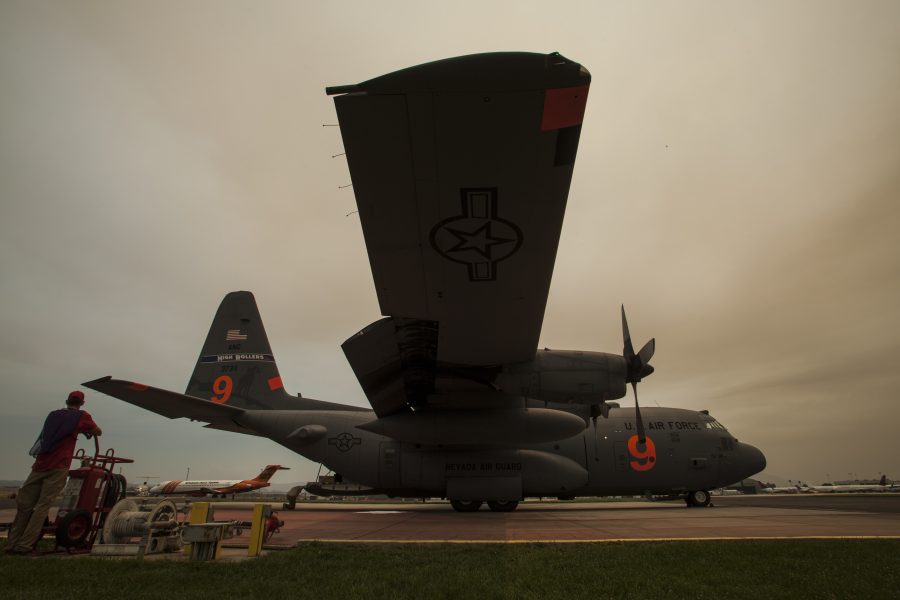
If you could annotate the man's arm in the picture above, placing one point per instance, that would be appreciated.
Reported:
(87, 426)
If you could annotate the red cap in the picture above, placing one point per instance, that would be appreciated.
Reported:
(75, 397)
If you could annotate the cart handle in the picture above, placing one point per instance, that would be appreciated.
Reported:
(109, 457)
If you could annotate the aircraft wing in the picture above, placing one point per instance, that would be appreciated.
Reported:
(461, 171)
(171, 404)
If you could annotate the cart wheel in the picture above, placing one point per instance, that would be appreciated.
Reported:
(73, 529)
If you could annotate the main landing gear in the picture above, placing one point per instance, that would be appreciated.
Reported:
(466, 505)
(474, 505)
(697, 498)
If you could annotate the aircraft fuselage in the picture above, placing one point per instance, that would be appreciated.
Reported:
(685, 450)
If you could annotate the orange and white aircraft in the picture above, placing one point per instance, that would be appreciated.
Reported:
(201, 487)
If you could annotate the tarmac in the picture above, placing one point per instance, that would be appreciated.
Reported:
(730, 518)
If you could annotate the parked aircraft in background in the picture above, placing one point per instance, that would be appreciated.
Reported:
(461, 171)
(793, 488)
(831, 488)
(200, 487)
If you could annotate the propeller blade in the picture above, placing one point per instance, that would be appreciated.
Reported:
(637, 365)
(637, 368)
(642, 439)
(647, 351)
(628, 351)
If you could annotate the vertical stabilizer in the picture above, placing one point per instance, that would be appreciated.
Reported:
(267, 473)
(236, 366)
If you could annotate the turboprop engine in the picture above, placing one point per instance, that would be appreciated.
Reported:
(589, 378)
(567, 376)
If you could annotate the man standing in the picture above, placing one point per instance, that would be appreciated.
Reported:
(54, 450)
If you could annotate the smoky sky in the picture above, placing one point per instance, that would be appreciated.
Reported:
(737, 188)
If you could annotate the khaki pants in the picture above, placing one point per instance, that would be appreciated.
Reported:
(32, 505)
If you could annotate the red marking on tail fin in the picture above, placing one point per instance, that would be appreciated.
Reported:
(138, 387)
(275, 383)
(564, 107)
(268, 472)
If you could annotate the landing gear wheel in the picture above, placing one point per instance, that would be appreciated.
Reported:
(73, 529)
(698, 498)
(507, 506)
(466, 505)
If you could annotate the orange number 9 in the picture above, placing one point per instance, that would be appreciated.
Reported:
(222, 387)
(646, 458)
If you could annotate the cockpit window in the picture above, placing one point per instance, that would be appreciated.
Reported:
(715, 425)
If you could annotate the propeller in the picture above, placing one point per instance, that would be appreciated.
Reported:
(637, 366)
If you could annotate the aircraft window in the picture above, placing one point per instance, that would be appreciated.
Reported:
(715, 425)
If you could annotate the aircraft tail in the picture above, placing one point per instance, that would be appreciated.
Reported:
(267, 473)
(236, 366)
(236, 372)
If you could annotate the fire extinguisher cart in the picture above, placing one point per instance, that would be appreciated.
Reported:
(90, 493)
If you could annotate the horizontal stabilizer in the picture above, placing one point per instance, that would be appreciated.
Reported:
(170, 404)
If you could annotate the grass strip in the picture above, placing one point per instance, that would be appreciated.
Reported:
(321, 571)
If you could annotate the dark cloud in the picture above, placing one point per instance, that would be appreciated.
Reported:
(736, 189)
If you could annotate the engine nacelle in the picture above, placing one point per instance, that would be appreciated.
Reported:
(566, 376)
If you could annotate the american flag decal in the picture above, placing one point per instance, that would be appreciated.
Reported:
(235, 335)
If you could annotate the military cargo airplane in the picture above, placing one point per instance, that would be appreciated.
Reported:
(200, 487)
(461, 171)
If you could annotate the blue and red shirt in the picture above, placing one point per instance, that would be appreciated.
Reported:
(59, 456)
